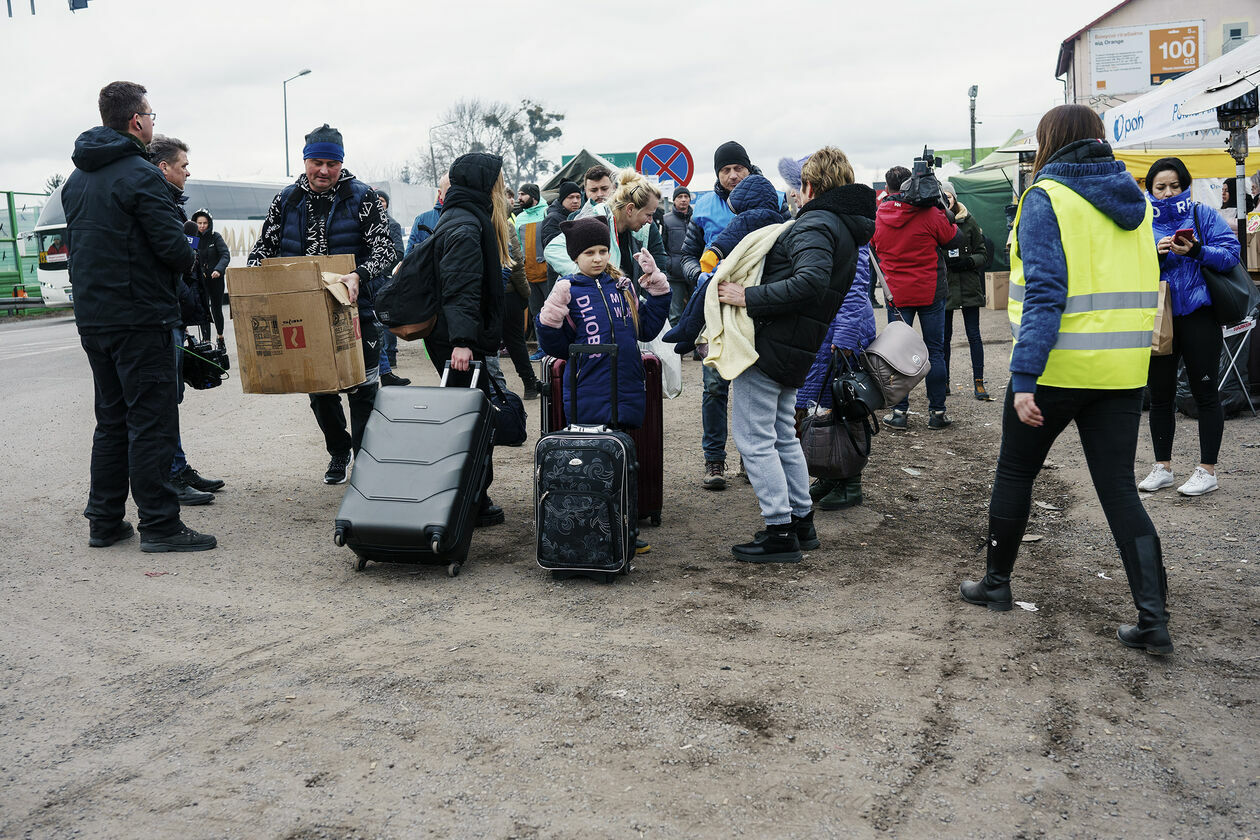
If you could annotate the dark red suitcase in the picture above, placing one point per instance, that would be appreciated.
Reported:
(649, 439)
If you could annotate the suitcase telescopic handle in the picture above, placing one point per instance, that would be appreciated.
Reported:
(476, 371)
(576, 350)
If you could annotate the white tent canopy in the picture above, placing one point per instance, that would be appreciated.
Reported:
(1161, 114)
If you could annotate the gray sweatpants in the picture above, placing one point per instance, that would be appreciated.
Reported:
(764, 427)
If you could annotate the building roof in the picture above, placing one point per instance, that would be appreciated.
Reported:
(1068, 48)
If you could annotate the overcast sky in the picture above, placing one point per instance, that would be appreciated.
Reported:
(876, 79)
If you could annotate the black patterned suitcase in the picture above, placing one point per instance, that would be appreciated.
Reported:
(418, 476)
(585, 491)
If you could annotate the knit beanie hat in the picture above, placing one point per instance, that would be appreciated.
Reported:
(681, 191)
(580, 234)
(324, 143)
(532, 190)
(730, 153)
(567, 188)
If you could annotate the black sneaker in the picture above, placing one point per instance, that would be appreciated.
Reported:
(806, 535)
(338, 469)
(641, 547)
(189, 496)
(490, 514)
(938, 420)
(219, 343)
(392, 378)
(714, 475)
(185, 539)
(105, 537)
(197, 481)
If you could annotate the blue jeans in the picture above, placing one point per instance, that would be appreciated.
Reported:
(179, 461)
(971, 323)
(389, 350)
(932, 325)
(713, 407)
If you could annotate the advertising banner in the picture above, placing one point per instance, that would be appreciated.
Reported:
(1133, 59)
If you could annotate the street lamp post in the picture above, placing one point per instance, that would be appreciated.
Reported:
(972, 94)
(285, 87)
(432, 156)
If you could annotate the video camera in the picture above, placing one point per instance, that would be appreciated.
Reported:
(923, 190)
(205, 366)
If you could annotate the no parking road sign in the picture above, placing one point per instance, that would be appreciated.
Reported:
(666, 159)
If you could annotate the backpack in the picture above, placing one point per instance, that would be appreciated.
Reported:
(410, 298)
(531, 243)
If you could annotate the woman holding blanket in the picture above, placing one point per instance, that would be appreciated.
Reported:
(764, 330)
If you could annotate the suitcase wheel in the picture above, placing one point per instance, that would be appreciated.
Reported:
(453, 570)
(361, 565)
(339, 537)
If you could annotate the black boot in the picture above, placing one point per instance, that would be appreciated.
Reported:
(805, 533)
(1144, 566)
(776, 544)
(994, 591)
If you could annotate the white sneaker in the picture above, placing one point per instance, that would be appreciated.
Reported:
(1201, 482)
(1159, 478)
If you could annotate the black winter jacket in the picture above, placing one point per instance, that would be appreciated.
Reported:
(192, 294)
(674, 233)
(807, 274)
(472, 301)
(212, 252)
(127, 245)
(966, 270)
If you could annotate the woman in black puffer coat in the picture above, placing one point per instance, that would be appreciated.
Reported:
(806, 275)
(212, 262)
(965, 268)
(472, 238)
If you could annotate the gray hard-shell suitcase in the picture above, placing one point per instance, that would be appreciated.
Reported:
(417, 481)
(586, 491)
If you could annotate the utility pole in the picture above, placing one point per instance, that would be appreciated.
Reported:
(285, 87)
(972, 94)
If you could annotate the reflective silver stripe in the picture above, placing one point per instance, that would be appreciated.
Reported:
(1131, 340)
(1097, 301)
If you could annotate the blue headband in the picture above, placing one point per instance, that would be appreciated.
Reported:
(324, 150)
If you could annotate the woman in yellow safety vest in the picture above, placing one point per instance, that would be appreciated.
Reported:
(1083, 291)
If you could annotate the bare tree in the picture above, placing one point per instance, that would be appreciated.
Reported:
(54, 180)
(515, 133)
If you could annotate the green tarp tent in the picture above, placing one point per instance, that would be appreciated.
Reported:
(572, 171)
(986, 189)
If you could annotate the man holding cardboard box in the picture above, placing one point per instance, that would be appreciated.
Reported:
(329, 211)
(128, 249)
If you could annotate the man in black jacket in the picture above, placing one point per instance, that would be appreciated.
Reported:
(674, 232)
(329, 211)
(170, 156)
(127, 250)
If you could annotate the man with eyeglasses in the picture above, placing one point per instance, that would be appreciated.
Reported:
(127, 251)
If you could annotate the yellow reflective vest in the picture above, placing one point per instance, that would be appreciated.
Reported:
(1113, 288)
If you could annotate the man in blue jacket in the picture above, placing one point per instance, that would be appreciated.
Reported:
(127, 251)
(426, 222)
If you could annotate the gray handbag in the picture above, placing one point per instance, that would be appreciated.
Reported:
(898, 359)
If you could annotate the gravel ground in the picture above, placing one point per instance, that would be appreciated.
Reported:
(267, 689)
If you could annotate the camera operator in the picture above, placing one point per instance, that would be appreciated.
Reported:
(911, 228)
(170, 156)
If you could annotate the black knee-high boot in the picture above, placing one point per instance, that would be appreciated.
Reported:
(994, 591)
(1144, 566)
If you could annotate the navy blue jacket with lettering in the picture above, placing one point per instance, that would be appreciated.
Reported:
(599, 313)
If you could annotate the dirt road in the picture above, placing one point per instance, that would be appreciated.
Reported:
(267, 689)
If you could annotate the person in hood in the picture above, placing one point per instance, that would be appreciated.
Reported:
(806, 276)
(965, 266)
(329, 211)
(1083, 291)
(908, 242)
(1196, 335)
(128, 249)
(473, 241)
(213, 257)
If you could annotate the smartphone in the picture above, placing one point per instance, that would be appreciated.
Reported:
(1185, 236)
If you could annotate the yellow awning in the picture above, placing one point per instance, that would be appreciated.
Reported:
(1202, 163)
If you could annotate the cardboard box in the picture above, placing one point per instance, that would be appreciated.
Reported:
(996, 285)
(296, 330)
